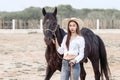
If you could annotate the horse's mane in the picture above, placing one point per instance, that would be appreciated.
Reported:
(60, 33)
(51, 49)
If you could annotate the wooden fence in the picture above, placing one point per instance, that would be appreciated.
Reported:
(103, 24)
(20, 24)
(35, 24)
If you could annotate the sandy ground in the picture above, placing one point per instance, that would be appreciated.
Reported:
(22, 57)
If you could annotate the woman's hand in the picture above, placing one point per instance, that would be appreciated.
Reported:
(54, 40)
(72, 62)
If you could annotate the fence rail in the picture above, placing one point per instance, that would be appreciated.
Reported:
(33, 31)
(99, 23)
(37, 24)
(20, 24)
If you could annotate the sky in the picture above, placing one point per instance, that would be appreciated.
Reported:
(19, 5)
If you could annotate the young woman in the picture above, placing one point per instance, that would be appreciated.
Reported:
(72, 46)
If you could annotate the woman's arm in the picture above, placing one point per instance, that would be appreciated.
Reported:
(56, 43)
(81, 50)
(59, 48)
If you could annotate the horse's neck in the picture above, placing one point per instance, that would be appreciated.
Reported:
(60, 34)
(51, 48)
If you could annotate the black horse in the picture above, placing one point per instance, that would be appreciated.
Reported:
(94, 48)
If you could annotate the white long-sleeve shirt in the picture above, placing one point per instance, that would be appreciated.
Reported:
(76, 47)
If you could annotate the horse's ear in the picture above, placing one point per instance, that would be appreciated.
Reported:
(55, 11)
(44, 11)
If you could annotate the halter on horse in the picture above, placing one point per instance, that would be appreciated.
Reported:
(51, 30)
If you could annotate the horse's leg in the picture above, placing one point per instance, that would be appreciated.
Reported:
(106, 75)
(95, 64)
(49, 73)
(82, 72)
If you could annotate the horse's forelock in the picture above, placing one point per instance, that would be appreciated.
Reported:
(50, 17)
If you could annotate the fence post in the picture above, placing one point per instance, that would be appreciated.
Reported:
(98, 24)
(41, 26)
(13, 24)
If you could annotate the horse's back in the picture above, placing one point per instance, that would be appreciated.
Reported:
(91, 40)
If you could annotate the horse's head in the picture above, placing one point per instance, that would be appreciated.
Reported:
(49, 25)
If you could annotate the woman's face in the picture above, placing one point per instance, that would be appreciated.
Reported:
(72, 27)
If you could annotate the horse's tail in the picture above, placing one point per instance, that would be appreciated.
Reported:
(103, 60)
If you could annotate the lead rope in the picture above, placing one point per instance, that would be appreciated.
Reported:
(71, 71)
(70, 65)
